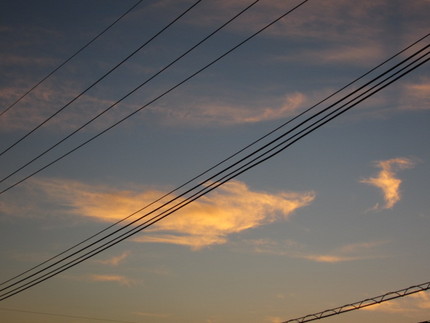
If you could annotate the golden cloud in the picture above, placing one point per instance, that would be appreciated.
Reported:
(416, 95)
(387, 180)
(293, 249)
(231, 208)
(115, 261)
(413, 303)
(122, 280)
(225, 114)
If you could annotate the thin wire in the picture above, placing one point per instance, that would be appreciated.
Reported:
(130, 93)
(167, 66)
(104, 230)
(364, 303)
(277, 138)
(70, 58)
(206, 190)
(153, 100)
(91, 86)
(219, 163)
(161, 216)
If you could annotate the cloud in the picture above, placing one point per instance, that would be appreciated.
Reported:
(410, 304)
(293, 249)
(48, 99)
(115, 261)
(416, 96)
(232, 208)
(387, 180)
(221, 113)
(122, 280)
(156, 315)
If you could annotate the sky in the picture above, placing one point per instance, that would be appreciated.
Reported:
(340, 216)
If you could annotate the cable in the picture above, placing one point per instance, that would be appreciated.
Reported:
(70, 58)
(392, 78)
(130, 93)
(152, 101)
(191, 180)
(219, 163)
(364, 303)
(90, 87)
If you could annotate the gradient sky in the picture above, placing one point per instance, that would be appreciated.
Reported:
(340, 216)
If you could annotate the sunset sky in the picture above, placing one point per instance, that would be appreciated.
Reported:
(340, 216)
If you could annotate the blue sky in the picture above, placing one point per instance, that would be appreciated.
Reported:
(340, 216)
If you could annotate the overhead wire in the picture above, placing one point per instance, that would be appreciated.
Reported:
(85, 91)
(169, 193)
(179, 205)
(144, 106)
(70, 58)
(259, 31)
(208, 187)
(221, 162)
(153, 76)
(361, 304)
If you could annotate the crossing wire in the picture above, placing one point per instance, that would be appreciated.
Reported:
(89, 88)
(219, 163)
(254, 162)
(144, 106)
(205, 172)
(361, 304)
(70, 58)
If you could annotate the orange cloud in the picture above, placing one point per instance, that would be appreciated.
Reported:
(410, 304)
(387, 180)
(293, 249)
(416, 95)
(225, 114)
(111, 278)
(115, 261)
(232, 208)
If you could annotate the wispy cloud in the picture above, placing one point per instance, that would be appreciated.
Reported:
(231, 209)
(150, 314)
(115, 261)
(47, 100)
(222, 113)
(416, 96)
(387, 181)
(122, 280)
(293, 249)
(408, 305)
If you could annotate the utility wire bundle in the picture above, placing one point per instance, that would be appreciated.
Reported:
(133, 91)
(269, 146)
(70, 58)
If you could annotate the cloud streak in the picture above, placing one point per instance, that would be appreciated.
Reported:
(115, 261)
(220, 113)
(122, 280)
(411, 304)
(387, 181)
(293, 249)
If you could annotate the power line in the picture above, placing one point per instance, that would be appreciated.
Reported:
(219, 163)
(364, 303)
(69, 59)
(210, 184)
(144, 106)
(191, 180)
(90, 87)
